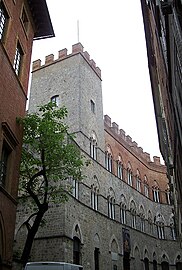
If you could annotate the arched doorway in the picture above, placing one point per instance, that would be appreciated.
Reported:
(126, 261)
(165, 266)
(146, 263)
(178, 265)
(154, 265)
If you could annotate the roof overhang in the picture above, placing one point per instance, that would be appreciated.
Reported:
(41, 18)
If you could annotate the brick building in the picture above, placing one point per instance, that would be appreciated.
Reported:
(21, 21)
(163, 31)
(120, 216)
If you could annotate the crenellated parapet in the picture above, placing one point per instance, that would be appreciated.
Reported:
(120, 135)
(63, 54)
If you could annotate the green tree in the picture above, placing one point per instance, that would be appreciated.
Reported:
(49, 158)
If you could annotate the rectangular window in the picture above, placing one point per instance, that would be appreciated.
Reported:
(138, 184)
(24, 19)
(75, 189)
(3, 19)
(156, 195)
(119, 170)
(18, 59)
(92, 106)
(6, 151)
(111, 208)
(146, 191)
(96, 258)
(123, 215)
(94, 200)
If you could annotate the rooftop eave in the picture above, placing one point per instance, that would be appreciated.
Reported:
(41, 18)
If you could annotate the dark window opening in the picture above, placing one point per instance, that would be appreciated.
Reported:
(55, 99)
(146, 263)
(76, 250)
(154, 265)
(4, 163)
(178, 265)
(24, 19)
(92, 106)
(126, 261)
(3, 19)
(96, 258)
(165, 266)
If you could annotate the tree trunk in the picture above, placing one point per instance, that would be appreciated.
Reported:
(32, 232)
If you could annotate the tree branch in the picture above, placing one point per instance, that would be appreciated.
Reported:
(29, 190)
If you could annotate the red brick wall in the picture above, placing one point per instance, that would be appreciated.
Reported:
(152, 170)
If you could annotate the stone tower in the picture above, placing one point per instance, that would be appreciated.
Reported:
(74, 81)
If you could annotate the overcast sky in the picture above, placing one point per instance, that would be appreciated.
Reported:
(112, 33)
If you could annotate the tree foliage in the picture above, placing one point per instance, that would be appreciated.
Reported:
(49, 158)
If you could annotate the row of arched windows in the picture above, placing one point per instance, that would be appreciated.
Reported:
(127, 175)
(129, 216)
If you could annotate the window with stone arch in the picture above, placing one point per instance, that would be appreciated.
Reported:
(150, 222)
(119, 167)
(95, 194)
(146, 187)
(111, 203)
(77, 244)
(172, 226)
(168, 199)
(133, 214)
(123, 209)
(159, 222)
(156, 192)
(93, 145)
(178, 263)
(138, 181)
(129, 175)
(142, 219)
(108, 158)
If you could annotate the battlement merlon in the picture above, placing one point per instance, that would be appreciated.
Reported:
(132, 145)
(62, 54)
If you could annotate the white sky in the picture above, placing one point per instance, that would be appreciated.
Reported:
(112, 33)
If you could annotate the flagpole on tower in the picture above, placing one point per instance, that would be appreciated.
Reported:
(78, 31)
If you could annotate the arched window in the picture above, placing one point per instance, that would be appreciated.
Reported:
(75, 191)
(111, 207)
(142, 219)
(119, 168)
(129, 175)
(123, 213)
(93, 146)
(146, 187)
(94, 197)
(55, 99)
(172, 227)
(168, 195)
(146, 263)
(133, 214)
(108, 159)
(76, 250)
(160, 226)
(150, 222)
(155, 190)
(138, 181)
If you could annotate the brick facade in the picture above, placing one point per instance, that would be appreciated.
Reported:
(17, 30)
